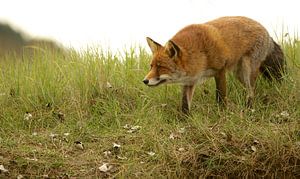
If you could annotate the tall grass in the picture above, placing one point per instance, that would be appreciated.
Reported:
(92, 94)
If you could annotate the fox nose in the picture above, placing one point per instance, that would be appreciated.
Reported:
(146, 81)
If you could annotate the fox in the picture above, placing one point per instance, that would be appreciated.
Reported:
(201, 51)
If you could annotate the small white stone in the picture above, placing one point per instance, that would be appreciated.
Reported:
(256, 141)
(107, 153)
(116, 146)
(284, 114)
(181, 149)
(182, 130)
(243, 158)
(32, 159)
(108, 85)
(53, 135)
(121, 158)
(172, 136)
(151, 153)
(27, 116)
(34, 133)
(253, 148)
(105, 167)
(127, 126)
(20, 176)
(79, 145)
(135, 128)
(130, 131)
(163, 105)
(3, 169)
(223, 134)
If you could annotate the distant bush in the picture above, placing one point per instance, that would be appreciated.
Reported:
(10, 40)
(16, 43)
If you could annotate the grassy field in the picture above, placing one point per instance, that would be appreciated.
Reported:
(51, 100)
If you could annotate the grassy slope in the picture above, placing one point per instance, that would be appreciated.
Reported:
(69, 94)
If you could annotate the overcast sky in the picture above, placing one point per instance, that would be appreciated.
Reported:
(121, 23)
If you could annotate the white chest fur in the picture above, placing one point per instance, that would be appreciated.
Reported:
(201, 77)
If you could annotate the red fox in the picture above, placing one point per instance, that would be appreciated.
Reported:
(201, 51)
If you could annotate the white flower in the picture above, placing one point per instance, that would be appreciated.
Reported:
(66, 134)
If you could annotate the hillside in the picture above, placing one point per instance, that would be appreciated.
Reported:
(52, 102)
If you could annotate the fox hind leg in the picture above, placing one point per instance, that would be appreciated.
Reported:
(247, 75)
(220, 79)
(187, 95)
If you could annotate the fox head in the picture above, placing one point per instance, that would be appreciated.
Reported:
(163, 68)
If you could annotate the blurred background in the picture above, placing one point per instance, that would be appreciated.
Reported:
(119, 24)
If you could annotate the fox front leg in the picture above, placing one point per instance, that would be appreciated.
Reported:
(187, 95)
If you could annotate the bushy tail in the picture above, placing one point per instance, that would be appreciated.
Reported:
(274, 65)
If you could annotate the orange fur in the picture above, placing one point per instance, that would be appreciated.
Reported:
(200, 51)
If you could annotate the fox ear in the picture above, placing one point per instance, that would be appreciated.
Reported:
(172, 49)
(154, 46)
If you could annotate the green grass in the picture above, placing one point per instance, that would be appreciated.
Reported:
(68, 93)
